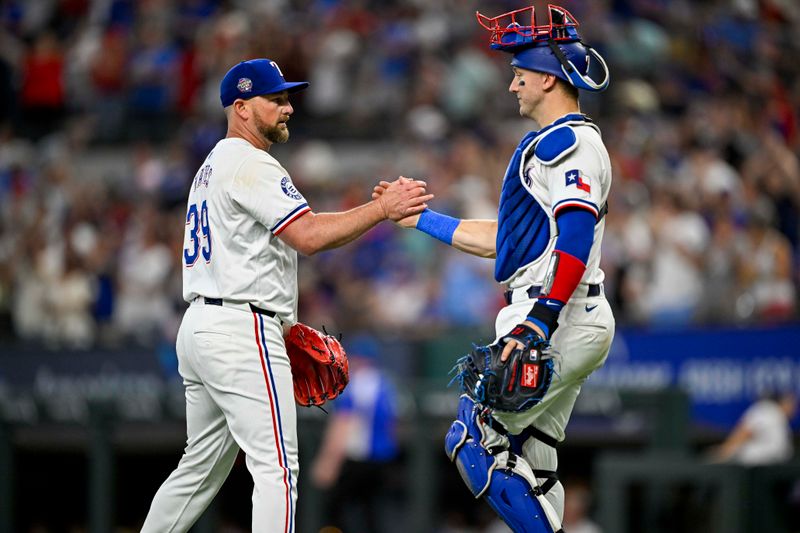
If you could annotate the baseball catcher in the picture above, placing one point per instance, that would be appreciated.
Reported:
(320, 371)
(518, 392)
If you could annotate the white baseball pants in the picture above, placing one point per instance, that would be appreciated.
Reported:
(581, 344)
(239, 394)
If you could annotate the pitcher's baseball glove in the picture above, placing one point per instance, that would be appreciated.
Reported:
(320, 370)
(511, 386)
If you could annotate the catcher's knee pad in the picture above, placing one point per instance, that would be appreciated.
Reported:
(464, 447)
(490, 470)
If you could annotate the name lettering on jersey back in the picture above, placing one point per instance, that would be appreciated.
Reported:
(289, 189)
(202, 177)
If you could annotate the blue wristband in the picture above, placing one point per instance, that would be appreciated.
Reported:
(438, 226)
(545, 315)
(542, 326)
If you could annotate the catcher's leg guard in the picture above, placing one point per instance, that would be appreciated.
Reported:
(463, 446)
(490, 470)
(513, 499)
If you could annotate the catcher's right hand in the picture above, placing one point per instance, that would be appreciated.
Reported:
(409, 221)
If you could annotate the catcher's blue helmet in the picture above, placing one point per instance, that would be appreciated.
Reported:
(554, 48)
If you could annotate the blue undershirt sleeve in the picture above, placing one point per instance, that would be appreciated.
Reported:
(576, 233)
(575, 238)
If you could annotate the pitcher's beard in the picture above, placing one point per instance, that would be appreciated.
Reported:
(274, 134)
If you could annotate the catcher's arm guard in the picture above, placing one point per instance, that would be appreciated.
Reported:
(320, 370)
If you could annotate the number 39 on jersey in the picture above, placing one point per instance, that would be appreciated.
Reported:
(199, 234)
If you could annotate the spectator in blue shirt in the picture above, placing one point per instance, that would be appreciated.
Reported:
(360, 443)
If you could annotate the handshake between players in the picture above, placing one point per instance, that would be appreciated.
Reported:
(403, 198)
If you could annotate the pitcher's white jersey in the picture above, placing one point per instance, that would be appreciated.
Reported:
(240, 201)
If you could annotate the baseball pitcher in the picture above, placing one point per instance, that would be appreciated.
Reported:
(245, 223)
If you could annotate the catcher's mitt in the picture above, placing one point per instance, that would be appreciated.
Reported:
(512, 386)
(320, 370)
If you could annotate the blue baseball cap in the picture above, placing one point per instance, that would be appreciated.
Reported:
(255, 78)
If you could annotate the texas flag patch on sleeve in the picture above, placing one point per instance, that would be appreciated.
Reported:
(573, 177)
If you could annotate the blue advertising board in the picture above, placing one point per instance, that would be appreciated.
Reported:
(722, 370)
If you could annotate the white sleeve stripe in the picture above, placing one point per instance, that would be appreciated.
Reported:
(575, 202)
(277, 228)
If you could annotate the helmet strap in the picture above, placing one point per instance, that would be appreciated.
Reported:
(576, 78)
(565, 63)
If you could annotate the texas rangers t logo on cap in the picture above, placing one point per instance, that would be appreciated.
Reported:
(255, 77)
(574, 178)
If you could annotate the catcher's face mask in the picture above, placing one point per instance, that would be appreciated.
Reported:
(554, 48)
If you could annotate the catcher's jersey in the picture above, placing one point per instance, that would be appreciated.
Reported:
(239, 202)
(560, 166)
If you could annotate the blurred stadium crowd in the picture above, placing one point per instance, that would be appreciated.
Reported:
(107, 108)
